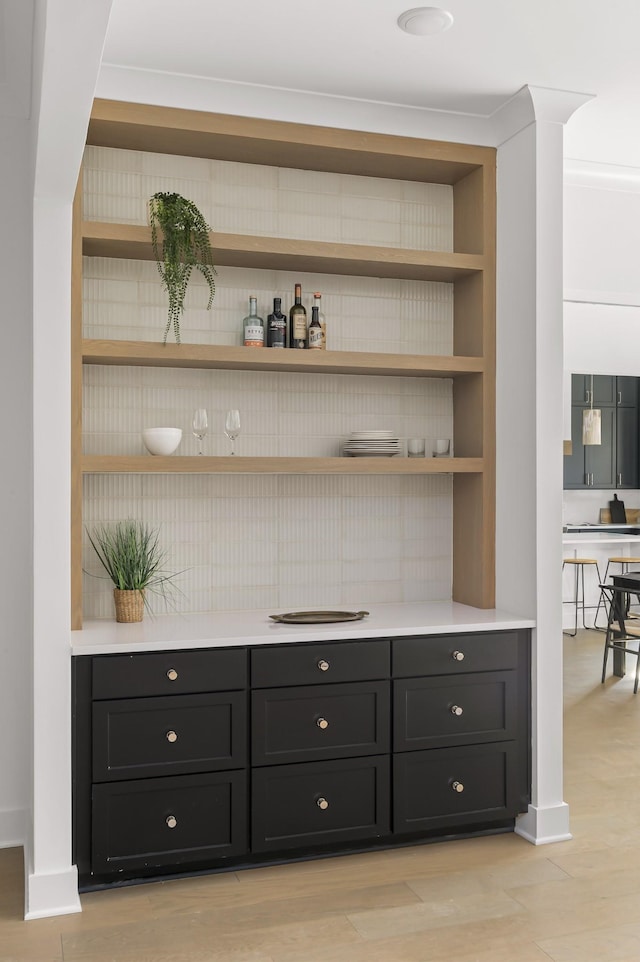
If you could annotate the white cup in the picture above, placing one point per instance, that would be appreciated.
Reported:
(441, 448)
(415, 447)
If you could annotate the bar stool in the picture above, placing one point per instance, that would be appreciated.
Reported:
(580, 564)
(624, 567)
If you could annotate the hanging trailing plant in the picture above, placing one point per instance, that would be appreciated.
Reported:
(180, 241)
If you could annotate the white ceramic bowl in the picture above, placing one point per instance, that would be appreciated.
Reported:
(161, 440)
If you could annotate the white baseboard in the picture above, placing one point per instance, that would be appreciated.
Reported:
(541, 826)
(54, 894)
(12, 828)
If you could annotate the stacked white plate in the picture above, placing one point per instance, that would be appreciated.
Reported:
(372, 444)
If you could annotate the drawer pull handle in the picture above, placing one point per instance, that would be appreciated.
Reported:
(456, 710)
(171, 821)
(322, 723)
(323, 665)
(458, 655)
(322, 803)
(457, 787)
(172, 737)
(172, 674)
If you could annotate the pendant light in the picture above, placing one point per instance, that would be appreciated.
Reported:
(591, 422)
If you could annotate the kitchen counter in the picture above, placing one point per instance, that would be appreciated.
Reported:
(598, 536)
(631, 528)
(235, 628)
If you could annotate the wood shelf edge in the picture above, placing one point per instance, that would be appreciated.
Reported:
(221, 357)
(110, 239)
(147, 464)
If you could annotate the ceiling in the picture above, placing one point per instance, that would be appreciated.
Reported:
(353, 49)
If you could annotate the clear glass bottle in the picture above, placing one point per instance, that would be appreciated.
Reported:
(277, 326)
(253, 326)
(298, 321)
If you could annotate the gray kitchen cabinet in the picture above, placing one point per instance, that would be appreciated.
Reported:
(614, 462)
(603, 387)
(627, 447)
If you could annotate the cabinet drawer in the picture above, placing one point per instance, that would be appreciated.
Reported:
(132, 821)
(326, 721)
(168, 673)
(443, 711)
(455, 654)
(322, 663)
(454, 786)
(137, 737)
(295, 806)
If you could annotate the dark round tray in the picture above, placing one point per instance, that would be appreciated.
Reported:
(317, 617)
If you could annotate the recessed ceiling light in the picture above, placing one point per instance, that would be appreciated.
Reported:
(425, 21)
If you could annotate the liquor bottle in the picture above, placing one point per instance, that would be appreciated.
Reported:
(253, 326)
(323, 323)
(276, 326)
(315, 331)
(298, 321)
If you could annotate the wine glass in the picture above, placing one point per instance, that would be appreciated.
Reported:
(200, 426)
(232, 427)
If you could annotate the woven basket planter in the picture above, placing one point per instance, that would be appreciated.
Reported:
(129, 605)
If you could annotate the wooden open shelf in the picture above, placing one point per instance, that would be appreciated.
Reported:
(221, 357)
(147, 464)
(105, 239)
(470, 170)
(197, 133)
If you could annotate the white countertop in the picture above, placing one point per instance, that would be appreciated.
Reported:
(604, 526)
(235, 628)
(598, 536)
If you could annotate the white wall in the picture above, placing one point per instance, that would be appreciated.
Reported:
(602, 235)
(15, 478)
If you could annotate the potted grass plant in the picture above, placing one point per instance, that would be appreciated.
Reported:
(130, 553)
(180, 241)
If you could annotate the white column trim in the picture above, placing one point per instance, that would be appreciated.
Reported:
(542, 826)
(51, 894)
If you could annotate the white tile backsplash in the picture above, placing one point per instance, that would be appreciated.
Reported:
(249, 541)
(251, 198)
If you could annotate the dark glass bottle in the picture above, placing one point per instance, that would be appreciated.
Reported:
(277, 326)
(315, 330)
(298, 321)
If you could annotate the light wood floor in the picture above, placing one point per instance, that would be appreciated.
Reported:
(496, 899)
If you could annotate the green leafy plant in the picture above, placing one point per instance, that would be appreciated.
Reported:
(180, 241)
(130, 553)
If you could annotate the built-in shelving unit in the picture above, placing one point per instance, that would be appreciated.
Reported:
(470, 267)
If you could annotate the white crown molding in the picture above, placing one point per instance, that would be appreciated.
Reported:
(528, 105)
(299, 106)
(534, 105)
(586, 173)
